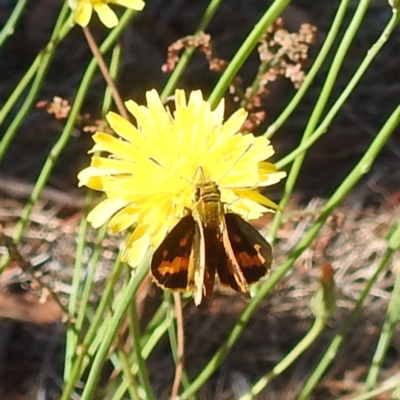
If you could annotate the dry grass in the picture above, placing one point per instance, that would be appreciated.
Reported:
(352, 242)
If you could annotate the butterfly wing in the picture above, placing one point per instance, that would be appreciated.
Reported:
(215, 256)
(172, 265)
(249, 254)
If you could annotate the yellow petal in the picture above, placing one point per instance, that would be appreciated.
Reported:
(132, 4)
(120, 148)
(104, 210)
(83, 13)
(123, 219)
(109, 166)
(180, 99)
(124, 128)
(136, 246)
(271, 179)
(157, 109)
(159, 236)
(234, 123)
(266, 167)
(106, 15)
(219, 111)
(89, 177)
(139, 112)
(257, 197)
(94, 183)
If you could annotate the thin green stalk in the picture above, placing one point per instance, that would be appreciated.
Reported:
(157, 333)
(45, 58)
(246, 48)
(389, 326)
(94, 331)
(159, 316)
(114, 69)
(9, 27)
(133, 387)
(355, 175)
(317, 328)
(17, 92)
(98, 319)
(323, 127)
(337, 341)
(100, 357)
(327, 44)
(320, 107)
(173, 341)
(262, 68)
(147, 348)
(134, 325)
(91, 269)
(103, 231)
(188, 53)
(323, 306)
(72, 332)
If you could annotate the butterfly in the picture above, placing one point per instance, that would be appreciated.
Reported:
(209, 242)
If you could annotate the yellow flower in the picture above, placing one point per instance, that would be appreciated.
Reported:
(83, 10)
(151, 173)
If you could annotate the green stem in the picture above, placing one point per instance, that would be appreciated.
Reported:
(327, 44)
(317, 328)
(188, 53)
(41, 63)
(247, 47)
(339, 338)
(389, 326)
(142, 370)
(147, 347)
(248, 95)
(93, 331)
(115, 64)
(323, 127)
(9, 27)
(337, 341)
(128, 377)
(112, 330)
(73, 330)
(320, 107)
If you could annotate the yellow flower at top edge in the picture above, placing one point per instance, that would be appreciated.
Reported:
(83, 10)
(152, 169)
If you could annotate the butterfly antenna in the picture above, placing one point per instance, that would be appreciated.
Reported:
(173, 173)
(236, 161)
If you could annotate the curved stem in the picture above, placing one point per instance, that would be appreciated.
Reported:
(317, 328)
